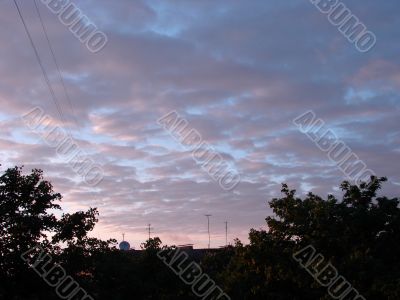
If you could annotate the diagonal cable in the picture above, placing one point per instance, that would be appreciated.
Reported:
(46, 77)
(56, 63)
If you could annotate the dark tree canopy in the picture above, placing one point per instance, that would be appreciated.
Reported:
(359, 234)
(28, 207)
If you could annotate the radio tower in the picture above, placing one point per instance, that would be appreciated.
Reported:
(226, 233)
(208, 226)
(149, 229)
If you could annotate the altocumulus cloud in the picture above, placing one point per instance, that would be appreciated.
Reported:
(239, 73)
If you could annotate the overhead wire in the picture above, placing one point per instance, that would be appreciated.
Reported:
(46, 77)
(61, 77)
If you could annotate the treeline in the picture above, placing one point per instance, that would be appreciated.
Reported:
(314, 248)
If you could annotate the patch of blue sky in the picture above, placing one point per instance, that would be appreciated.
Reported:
(226, 148)
(170, 21)
(306, 187)
(104, 110)
(197, 111)
(166, 141)
(143, 176)
(4, 117)
(96, 14)
(25, 135)
(186, 175)
(290, 160)
(8, 157)
(339, 130)
(225, 104)
(279, 178)
(58, 159)
(260, 143)
(172, 31)
(357, 96)
(153, 149)
(75, 77)
(230, 101)
(344, 131)
(87, 134)
(140, 167)
(166, 24)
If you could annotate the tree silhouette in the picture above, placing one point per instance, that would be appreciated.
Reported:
(358, 234)
(28, 207)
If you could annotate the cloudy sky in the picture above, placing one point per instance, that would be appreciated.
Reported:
(238, 71)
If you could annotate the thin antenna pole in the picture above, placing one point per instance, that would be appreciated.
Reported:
(149, 228)
(123, 237)
(226, 234)
(208, 226)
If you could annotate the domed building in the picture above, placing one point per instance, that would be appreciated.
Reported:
(124, 245)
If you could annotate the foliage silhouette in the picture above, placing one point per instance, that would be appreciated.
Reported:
(359, 234)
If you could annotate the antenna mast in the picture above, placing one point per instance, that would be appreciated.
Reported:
(208, 226)
(149, 229)
(226, 233)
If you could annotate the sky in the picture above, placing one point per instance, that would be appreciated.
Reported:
(239, 72)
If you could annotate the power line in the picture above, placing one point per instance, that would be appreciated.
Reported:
(56, 62)
(46, 77)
